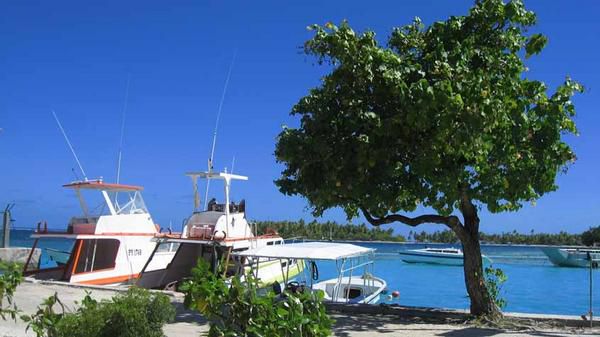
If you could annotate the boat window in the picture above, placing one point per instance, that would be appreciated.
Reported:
(96, 254)
(353, 293)
(167, 247)
(270, 243)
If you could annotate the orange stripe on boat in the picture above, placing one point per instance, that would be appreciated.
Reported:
(80, 243)
(109, 280)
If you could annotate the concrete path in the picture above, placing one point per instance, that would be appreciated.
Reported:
(188, 324)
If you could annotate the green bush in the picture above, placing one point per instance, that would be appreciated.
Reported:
(137, 313)
(10, 277)
(237, 309)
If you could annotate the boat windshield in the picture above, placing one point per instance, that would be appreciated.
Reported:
(130, 202)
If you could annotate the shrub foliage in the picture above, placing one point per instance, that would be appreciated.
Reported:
(137, 313)
(241, 309)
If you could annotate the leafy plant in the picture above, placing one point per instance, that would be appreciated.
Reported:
(137, 313)
(494, 279)
(237, 309)
(45, 320)
(10, 278)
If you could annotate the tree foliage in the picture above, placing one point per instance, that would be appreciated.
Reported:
(591, 237)
(438, 110)
(562, 238)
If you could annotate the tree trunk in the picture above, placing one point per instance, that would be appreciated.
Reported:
(481, 302)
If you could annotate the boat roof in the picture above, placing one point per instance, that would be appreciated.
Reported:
(308, 251)
(102, 186)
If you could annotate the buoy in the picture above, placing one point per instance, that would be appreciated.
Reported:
(395, 293)
(388, 298)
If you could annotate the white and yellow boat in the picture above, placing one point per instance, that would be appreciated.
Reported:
(215, 234)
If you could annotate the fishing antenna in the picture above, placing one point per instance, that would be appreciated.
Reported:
(123, 128)
(70, 146)
(232, 164)
(214, 142)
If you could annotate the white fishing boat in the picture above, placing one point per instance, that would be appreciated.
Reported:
(442, 256)
(349, 286)
(573, 257)
(215, 234)
(111, 245)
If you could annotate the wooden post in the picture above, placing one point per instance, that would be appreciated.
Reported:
(591, 312)
(6, 227)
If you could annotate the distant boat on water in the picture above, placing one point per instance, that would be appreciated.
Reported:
(573, 257)
(442, 256)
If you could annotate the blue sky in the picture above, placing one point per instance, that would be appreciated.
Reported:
(75, 57)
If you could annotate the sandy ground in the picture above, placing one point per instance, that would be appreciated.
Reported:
(188, 324)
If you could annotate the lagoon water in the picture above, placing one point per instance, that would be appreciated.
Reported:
(534, 285)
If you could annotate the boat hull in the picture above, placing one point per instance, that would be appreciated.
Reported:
(415, 257)
(58, 256)
(367, 288)
(446, 259)
(575, 258)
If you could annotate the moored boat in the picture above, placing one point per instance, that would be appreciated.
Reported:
(442, 256)
(214, 234)
(347, 287)
(573, 257)
(111, 242)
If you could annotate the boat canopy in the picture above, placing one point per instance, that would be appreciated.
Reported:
(99, 185)
(308, 251)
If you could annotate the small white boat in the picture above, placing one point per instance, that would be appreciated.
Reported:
(345, 288)
(443, 256)
(573, 257)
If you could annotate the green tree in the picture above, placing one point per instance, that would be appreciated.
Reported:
(443, 117)
(591, 237)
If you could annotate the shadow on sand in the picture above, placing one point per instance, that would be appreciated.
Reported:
(354, 325)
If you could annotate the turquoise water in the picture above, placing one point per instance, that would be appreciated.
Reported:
(534, 285)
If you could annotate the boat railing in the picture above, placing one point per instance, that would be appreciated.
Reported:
(361, 261)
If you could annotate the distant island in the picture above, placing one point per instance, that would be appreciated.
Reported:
(335, 231)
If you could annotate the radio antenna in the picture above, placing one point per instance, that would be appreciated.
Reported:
(123, 128)
(70, 146)
(214, 142)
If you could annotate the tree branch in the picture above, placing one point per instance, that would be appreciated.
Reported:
(450, 221)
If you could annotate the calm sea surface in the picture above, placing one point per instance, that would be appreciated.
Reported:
(534, 285)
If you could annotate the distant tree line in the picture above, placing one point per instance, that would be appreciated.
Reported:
(335, 231)
(328, 230)
(590, 237)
